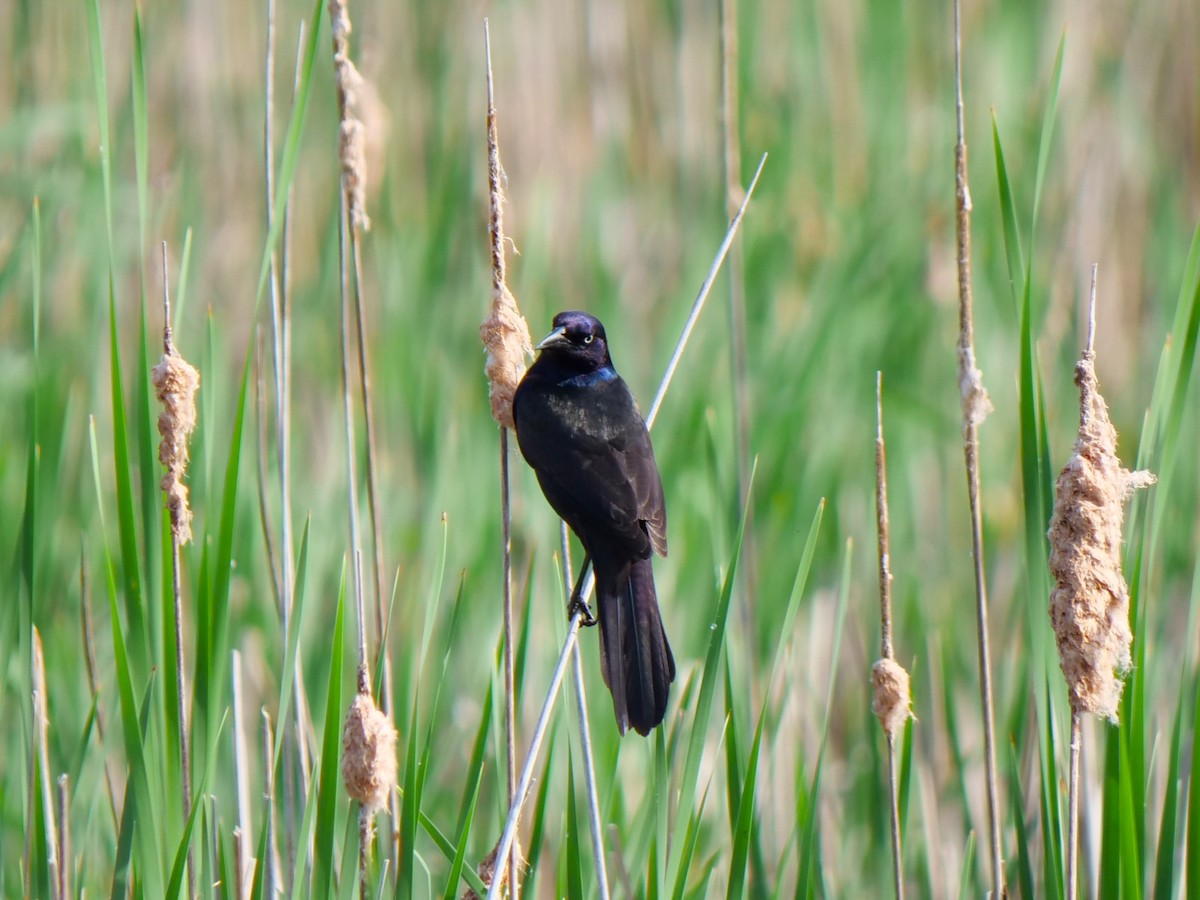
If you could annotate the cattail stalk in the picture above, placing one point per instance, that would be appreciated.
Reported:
(175, 384)
(1089, 605)
(975, 407)
(506, 339)
(892, 702)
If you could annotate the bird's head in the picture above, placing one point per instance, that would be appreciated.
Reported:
(578, 340)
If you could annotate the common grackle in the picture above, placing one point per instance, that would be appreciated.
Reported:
(580, 429)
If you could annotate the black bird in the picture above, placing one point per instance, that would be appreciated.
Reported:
(580, 429)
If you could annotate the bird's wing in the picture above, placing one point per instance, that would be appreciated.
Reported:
(593, 458)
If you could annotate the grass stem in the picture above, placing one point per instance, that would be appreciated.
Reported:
(885, 627)
(244, 853)
(177, 597)
(585, 737)
(975, 406)
(1073, 806)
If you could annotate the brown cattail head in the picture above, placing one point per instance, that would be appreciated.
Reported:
(175, 384)
(1089, 606)
(351, 133)
(892, 698)
(368, 754)
(487, 871)
(505, 336)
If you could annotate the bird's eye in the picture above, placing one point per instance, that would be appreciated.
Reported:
(588, 338)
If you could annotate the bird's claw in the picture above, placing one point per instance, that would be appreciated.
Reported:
(577, 606)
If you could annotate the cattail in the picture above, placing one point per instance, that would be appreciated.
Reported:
(1089, 606)
(175, 384)
(368, 754)
(351, 133)
(892, 700)
(487, 871)
(505, 336)
(505, 333)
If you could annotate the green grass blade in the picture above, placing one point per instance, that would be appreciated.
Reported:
(809, 854)
(331, 745)
(1008, 216)
(1110, 829)
(690, 839)
(1044, 141)
(175, 885)
(210, 686)
(716, 642)
(745, 819)
(534, 852)
(1129, 830)
(574, 872)
(1024, 861)
(409, 812)
(1165, 873)
(470, 799)
(965, 874)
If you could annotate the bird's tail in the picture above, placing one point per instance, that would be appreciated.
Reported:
(635, 657)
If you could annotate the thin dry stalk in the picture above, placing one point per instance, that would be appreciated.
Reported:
(1073, 806)
(64, 837)
(40, 768)
(241, 776)
(892, 701)
(1089, 606)
(505, 337)
(175, 384)
(264, 510)
(368, 748)
(975, 407)
(271, 856)
(281, 356)
(352, 155)
(368, 760)
(89, 660)
(614, 841)
(748, 569)
(506, 846)
(585, 737)
(514, 812)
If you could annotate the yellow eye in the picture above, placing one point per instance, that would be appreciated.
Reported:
(589, 338)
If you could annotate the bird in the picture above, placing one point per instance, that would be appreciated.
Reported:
(581, 431)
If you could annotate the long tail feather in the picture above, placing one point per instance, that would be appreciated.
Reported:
(635, 658)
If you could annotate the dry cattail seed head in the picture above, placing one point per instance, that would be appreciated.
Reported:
(1089, 606)
(351, 133)
(175, 384)
(891, 696)
(368, 754)
(505, 336)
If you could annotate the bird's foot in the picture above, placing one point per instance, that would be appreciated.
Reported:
(578, 606)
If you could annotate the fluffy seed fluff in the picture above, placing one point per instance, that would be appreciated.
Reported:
(892, 699)
(1089, 606)
(505, 336)
(976, 404)
(175, 384)
(368, 754)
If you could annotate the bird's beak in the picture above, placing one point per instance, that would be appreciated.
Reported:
(557, 336)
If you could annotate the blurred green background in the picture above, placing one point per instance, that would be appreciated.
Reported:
(611, 134)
